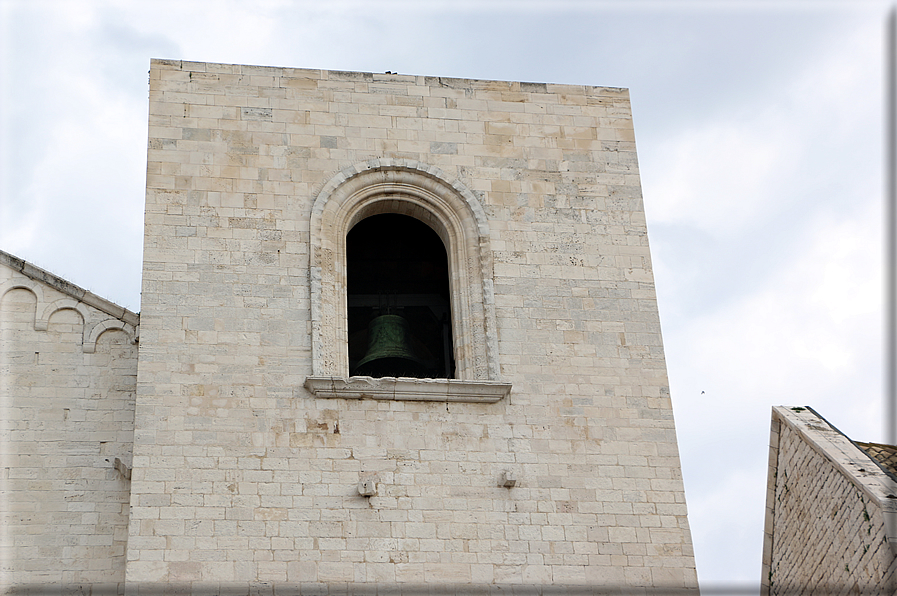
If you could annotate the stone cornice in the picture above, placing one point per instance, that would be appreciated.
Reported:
(68, 288)
(391, 388)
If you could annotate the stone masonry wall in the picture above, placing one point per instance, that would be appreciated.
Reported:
(828, 535)
(67, 411)
(242, 475)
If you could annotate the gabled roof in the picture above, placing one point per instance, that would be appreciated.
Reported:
(847, 460)
(884, 455)
(67, 287)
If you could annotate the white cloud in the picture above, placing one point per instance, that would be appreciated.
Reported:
(809, 335)
(74, 189)
(769, 288)
(737, 171)
(722, 529)
(769, 225)
(716, 179)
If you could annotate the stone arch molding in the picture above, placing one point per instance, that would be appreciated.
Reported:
(454, 213)
(26, 284)
(91, 330)
(90, 341)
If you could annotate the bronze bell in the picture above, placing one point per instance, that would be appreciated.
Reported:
(389, 351)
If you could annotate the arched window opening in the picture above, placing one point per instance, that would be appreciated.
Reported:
(398, 299)
(450, 217)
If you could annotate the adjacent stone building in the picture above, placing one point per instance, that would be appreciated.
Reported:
(68, 373)
(289, 213)
(831, 510)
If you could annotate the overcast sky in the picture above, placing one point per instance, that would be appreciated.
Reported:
(760, 137)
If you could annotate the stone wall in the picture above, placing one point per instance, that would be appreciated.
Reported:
(67, 379)
(826, 508)
(241, 474)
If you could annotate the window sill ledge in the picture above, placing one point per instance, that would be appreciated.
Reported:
(407, 389)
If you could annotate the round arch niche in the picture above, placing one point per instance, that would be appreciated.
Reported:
(398, 299)
(453, 212)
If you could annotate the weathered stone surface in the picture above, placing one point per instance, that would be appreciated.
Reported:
(535, 190)
(551, 458)
(68, 370)
(831, 512)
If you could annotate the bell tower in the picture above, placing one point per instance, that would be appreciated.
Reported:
(398, 331)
